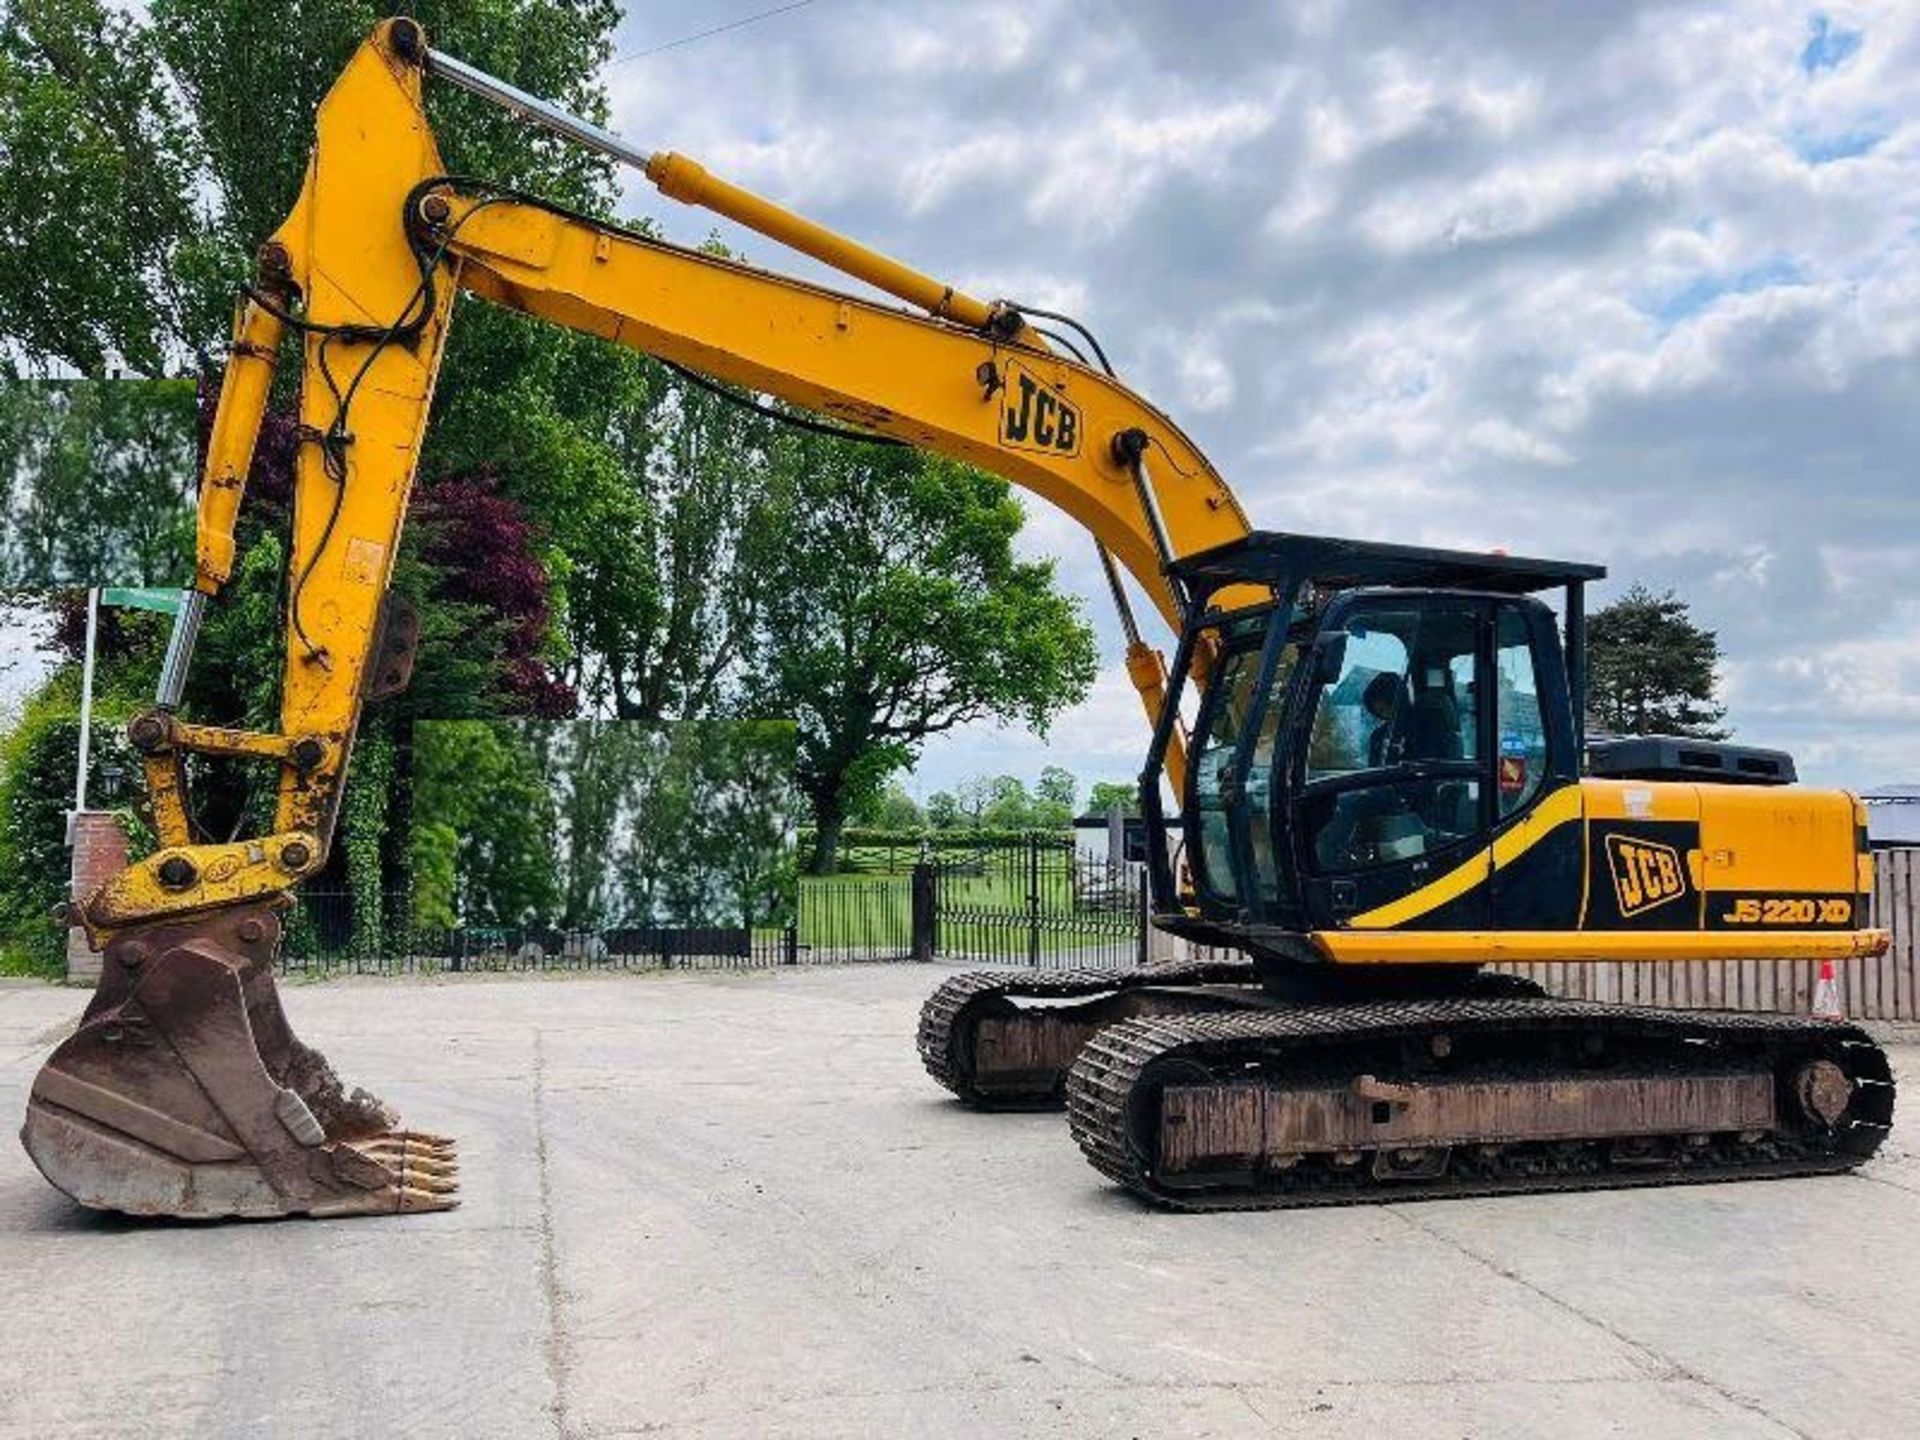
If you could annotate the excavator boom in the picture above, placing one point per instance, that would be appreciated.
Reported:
(184, 1091)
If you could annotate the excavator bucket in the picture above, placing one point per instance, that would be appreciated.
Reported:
(184, 1093)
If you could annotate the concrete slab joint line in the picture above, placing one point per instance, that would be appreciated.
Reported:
(556, 1340)
(1665, 1367)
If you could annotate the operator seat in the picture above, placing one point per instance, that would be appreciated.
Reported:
(1385, 699)
(1434, 734)
(1434, 731)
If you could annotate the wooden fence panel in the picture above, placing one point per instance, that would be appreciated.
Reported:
(1883, 988)
(1894, 903)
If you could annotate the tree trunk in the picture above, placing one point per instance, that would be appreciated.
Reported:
(830, 818)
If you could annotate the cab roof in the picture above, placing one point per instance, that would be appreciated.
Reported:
(1274, 558)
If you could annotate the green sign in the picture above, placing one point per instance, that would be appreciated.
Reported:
(167, 602)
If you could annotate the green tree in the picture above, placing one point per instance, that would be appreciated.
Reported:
(1651, 669)
(97, 186)
(1008, 806)
(482, 841)
(177, 141)
(971, 799)
(1053, 797)
(1004, 802)
(1108, 793)
(703, 824)
(96, 479)
(896, 611)
(599, 772)
(744, 815)
(893, 808)
(231, 87)
(648, 486)
(39, 752)
(637, 480)
(593, 824)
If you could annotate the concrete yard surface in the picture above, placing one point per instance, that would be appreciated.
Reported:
(733, 1205)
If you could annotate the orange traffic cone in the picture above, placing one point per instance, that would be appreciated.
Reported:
(1826, 995)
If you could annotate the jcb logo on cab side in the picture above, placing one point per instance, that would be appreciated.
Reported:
(1645, 874)
(1034, 416)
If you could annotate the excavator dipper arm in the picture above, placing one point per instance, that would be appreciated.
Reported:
(184, 1091)
(365, 270)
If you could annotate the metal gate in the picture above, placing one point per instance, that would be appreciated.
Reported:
(1039, 902)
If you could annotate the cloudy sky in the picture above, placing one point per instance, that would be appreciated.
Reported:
(1632, 283)
(25, 658)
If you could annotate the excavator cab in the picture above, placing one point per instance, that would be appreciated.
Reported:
(1376, 720)
(1387, 791)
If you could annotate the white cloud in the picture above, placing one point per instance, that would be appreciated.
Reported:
(26, 658)
(1091, 183)
(1622, 282)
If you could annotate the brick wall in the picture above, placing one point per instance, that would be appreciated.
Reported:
(99, 851)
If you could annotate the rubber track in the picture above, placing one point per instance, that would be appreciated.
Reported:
(1112, 1063)
(959, 999)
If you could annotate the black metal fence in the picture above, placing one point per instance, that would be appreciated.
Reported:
(856, 918)
(1043, 904)
(836, 922)
(1038, 902)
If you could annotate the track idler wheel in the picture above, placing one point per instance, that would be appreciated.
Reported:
(184, 1093)
(1823, 1090)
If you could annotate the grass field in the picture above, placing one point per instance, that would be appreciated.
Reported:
(990, 913)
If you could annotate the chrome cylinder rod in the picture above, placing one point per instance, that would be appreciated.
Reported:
(679, 178)
(532, 108)
(1121, 603)
(179, 659)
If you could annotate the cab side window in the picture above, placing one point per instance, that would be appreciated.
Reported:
(1522, 741)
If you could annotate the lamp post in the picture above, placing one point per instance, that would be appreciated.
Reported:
(86, 713)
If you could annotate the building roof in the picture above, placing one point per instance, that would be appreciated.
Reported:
(1893, 814)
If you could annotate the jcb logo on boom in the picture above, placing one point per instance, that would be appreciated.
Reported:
(1034, 416)
(1645, 874)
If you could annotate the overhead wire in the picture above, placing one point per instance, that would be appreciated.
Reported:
(708, 34)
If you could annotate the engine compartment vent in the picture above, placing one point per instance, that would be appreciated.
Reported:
(1676, 757)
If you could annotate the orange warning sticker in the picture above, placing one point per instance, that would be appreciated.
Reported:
(1513, 774)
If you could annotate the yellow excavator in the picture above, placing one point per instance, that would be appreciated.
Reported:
(1387, 787)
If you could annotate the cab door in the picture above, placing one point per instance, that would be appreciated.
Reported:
(1539, 845)
(1234, 756)
(1391, 803)
(1215, 803)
